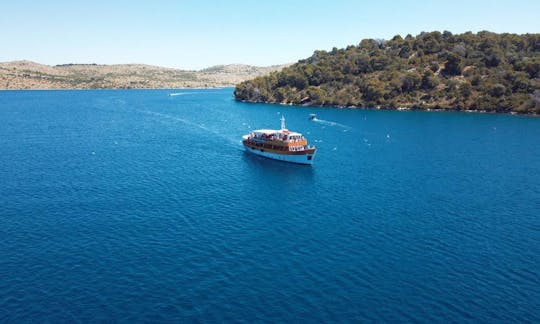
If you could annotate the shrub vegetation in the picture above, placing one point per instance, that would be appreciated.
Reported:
(484, 72)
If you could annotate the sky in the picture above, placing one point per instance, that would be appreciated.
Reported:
(195, 34)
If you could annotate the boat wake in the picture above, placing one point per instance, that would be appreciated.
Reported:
(174, 94)
(330, 123)
(193, 125)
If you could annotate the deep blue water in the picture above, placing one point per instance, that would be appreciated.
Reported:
(140, 206)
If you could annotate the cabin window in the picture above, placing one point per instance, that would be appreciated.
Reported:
(309, 157)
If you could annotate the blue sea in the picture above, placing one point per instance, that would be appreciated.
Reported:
(142, 206)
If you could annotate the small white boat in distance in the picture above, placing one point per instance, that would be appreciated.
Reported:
(312, 116)
(282, 144)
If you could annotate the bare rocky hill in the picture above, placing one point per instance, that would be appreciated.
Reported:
(31, 75)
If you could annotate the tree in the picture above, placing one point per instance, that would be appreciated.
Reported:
(410, 81)
(452, 65)
(316, 95)
(484, 71)
(533, 68)
(465, 89)
(498, 90)
(296, 80)
(373, 91)
(429, 81)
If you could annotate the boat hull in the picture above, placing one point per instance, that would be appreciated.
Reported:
(305, 157)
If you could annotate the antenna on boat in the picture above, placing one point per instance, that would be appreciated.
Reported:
(283, 123)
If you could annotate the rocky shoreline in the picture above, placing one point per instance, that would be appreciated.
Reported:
(394, 108)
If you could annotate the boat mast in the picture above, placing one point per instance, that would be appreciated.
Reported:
(283, 123)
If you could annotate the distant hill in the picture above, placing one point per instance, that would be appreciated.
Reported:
(31, 75)
(480, 72)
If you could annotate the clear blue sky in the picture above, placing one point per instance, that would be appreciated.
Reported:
(194, 34)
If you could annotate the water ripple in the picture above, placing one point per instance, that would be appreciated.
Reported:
(139, 206)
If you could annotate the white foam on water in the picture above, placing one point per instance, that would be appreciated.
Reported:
(330, 123)
(174, 94)
(201, 127)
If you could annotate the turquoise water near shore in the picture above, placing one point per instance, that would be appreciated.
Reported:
(141, 205)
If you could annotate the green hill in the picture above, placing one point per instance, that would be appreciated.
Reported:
(480, 72)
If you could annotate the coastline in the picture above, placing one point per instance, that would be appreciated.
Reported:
(425, 72)
(92, 89)
(28, 75)
(513, 113)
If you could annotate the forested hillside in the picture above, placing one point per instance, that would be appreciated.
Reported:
(482, 72)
